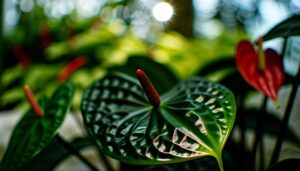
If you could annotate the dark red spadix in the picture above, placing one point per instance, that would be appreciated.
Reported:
(71, 67)
(148, 88)
(31, 99)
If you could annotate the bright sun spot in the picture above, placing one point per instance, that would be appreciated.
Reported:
(162, 11)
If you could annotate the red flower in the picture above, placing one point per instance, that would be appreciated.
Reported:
(261, 69)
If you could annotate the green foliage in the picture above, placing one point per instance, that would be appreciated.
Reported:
(124, 125)
(194, 120)
(32, 134)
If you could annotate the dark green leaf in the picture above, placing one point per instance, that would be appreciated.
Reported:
(194, 120)
(288, 27)
(236, 83)
(287, 164)
(32, 134)
(217, 65)
(54, 154)
(163, 78)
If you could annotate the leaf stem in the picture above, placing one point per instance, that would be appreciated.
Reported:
(220, 161)
(242, 123)
(259, 130)
(285, 120)
(262, 155)
(75, 152)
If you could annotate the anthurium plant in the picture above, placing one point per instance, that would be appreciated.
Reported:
(165, 124)
(37, 127)
(130, 121)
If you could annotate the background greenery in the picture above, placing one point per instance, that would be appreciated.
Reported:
(39, 37)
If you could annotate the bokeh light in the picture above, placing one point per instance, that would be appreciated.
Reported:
(162, 11)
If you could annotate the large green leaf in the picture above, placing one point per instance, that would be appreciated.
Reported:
(193, 120)
(288, 27)
(32, 134)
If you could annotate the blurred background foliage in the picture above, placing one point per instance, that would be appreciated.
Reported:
(40, 38)
(43, 41)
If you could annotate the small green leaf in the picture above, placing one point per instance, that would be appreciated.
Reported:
(288, 27)
(194, 120)
(32, 134)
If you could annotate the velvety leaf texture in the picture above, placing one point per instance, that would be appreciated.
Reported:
(194, 120)
(32, 134)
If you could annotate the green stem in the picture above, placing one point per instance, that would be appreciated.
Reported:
(284, 123)
(285, 41)
(262, 155)
(75, 152)
(219, 160)
(259, 130)
(242, 122)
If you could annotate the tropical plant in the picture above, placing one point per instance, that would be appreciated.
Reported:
(170, 124)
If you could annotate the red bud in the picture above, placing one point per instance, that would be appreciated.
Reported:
(31, 99)
(71, 67)
(148, 88)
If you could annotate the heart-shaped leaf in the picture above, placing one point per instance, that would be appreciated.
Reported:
(32, 133)
(288, 27)
(267, 80)
(193, 120)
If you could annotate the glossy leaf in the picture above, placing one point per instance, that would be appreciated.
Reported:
(32, 134)
(267, 81)
(193, 120)
(288, 27)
